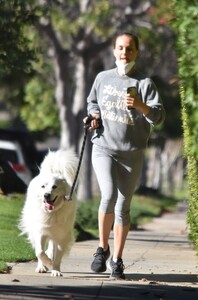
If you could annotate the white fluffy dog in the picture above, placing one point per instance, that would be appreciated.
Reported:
(47, 217)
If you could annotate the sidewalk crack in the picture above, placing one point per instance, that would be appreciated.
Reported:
(99, 291)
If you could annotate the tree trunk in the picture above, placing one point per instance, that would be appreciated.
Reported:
(80, 111)
(63, 96)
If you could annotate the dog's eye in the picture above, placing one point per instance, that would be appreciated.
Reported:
(54, 187)
(43, 186)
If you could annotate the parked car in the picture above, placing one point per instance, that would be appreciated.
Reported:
(11, 152)
(26, 141)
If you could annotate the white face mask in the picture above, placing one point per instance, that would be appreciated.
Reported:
(124, 69)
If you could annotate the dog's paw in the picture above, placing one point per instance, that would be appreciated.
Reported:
(45, 259)
(41, 269)
(56, 273)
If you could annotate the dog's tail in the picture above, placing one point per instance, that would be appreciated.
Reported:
(62, 162)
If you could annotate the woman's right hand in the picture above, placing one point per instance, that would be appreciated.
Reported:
(94, 122)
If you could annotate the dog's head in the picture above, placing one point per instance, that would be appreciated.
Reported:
(53, 191)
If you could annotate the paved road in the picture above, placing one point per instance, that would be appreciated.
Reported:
(159, 259)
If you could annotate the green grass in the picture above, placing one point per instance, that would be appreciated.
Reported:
(15, 248)
(144, 208)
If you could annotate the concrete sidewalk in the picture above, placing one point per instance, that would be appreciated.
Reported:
(160, 263)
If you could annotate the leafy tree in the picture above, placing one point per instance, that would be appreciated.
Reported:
(15, 53)
(39, 100)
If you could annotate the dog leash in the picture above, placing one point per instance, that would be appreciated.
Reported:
(86, 126)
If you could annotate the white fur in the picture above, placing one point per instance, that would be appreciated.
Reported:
(47, 223)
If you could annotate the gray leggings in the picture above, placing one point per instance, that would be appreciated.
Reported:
(117, 173)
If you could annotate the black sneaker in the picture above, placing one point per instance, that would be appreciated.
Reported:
(99, 263)
(117, 269)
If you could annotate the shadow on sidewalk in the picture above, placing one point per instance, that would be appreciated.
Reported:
(100, 292)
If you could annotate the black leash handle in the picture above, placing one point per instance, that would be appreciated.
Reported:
(86, 126)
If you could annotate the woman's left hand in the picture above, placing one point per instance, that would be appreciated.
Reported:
(132, 101)
(135, 102)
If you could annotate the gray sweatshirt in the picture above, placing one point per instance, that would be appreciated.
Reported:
(123, 129)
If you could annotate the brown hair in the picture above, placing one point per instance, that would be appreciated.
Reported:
(132, 35)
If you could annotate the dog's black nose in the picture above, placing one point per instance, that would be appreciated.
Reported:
(47, 196)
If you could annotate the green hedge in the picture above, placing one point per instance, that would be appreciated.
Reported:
(185, 26)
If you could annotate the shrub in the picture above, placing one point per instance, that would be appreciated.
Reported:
(185, 25)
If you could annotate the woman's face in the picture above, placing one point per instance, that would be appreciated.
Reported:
(125, 49)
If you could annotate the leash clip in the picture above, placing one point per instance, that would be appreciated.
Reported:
(68, 198)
